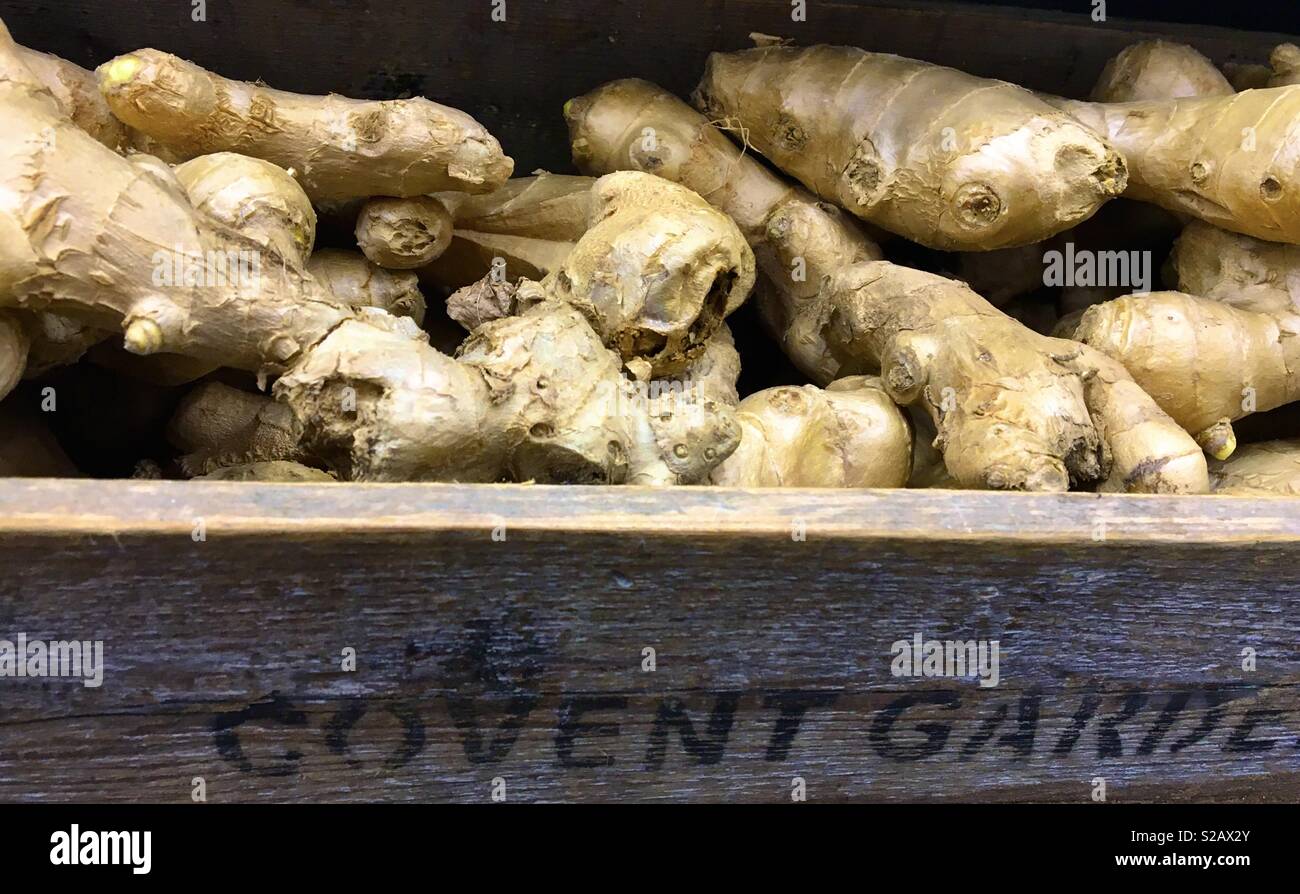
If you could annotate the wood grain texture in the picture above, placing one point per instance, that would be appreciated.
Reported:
(515, 76)
(500, 631)
(520, 659)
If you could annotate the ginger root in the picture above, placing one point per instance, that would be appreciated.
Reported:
(271, 471)
(1159, 69)
(534, 397)
(1204, 362)
(1226, 160)
(260, 200)
(57, 341)
(1247, 76)
(77, 92)
(941, 157)
(14, 346)
(1237, 270)
(112, 243)
(341, 148)
(1270, 468)
(693, 415)
(525, 230)
(797, 240)
(1012, 409)
(1285, 62)
(216, 426)
(850, 434)
(402, 234)
(655, 274)
(356, 282)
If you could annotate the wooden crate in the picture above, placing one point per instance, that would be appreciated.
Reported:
(501, 632)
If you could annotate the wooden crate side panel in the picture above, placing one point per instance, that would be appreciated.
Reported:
(483, 661)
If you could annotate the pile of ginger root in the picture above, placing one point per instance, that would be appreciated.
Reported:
(824, 268)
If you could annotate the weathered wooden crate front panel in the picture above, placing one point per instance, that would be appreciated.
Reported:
(482, 659)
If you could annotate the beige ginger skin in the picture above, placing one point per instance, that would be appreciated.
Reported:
(692, 415)
(850, 434)
(270, 471)
(1270, 468)
(656, 273)
(89, 236)
(997, 167)
(260, 200)
(1227, 160)
(1238, 270)
(340, 148)
(527, 399)
(1205, 362)
(403, 234)
(77, 92)
(1159, 69)
(1012, 409)
(524, 230)
(533, 397)
(797, 239)
(356, 282)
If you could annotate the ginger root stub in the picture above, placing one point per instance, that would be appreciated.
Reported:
(340, 148)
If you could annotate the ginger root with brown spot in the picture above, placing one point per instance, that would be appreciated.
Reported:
(797, 239)
(941, 157)
(692, 415)
(1012, 409)
(1205, 362)
(1269, 468)
(403, 234)
(1159, 69)
(850, 434)
(656, 273)
(341, 148)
